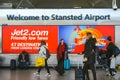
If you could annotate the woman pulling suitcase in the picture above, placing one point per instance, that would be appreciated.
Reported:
(61, 50)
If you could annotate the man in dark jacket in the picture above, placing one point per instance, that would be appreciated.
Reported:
(89, 56)
(110, 55)
(23, 60)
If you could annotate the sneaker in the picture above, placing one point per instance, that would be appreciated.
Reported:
(106, 70)
(48, 75)
(36, 74)
(114, 73)
(107, 74)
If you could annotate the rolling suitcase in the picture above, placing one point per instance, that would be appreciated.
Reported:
(13, 64)
(66, 64)
(79, 74)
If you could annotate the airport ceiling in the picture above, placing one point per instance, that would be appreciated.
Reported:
(60, 3)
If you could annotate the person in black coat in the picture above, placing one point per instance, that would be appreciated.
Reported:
(23, 60)
(110, 55)
(89, 56)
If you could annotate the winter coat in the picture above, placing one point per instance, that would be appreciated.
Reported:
(26, 57)
(42, 51)
(89, 51)
(110, 50)
(63, 53)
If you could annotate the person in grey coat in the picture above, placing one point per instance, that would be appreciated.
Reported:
(42, 53)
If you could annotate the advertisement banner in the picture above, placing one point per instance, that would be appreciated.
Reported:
(75, 36)
(18, 38)
(0, 39)
(117, 36)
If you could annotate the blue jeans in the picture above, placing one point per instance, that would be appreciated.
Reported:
(23, 64)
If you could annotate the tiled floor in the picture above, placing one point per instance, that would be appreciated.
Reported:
(7, 74)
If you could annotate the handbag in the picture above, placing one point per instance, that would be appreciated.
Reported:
(40, 62)
(112, 64)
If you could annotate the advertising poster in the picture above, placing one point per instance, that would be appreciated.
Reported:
(0, 39)
(117, 36)
(75, 36)
(18, 38)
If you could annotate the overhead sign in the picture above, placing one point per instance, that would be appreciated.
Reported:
(60, 17)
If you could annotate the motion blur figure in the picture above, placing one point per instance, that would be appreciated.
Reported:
(89, 56)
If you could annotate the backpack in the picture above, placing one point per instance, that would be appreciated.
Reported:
(117, 51)
(47, 53)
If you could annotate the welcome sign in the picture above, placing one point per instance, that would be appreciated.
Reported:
(60, 17)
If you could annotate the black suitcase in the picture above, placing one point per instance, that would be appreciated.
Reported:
(12, 64)
(79, 74)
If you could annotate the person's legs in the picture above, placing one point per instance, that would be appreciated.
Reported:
(39, 69)
(110, 70)
(62, 71)
(92, 67)
(26, 65)
(46, 66)
(85, 71)
(38, 72)
(115, 70)
(108, 66)
(60, 66)
(20, 64)
(62, 63)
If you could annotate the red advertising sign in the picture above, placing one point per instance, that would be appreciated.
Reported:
(18, 38)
